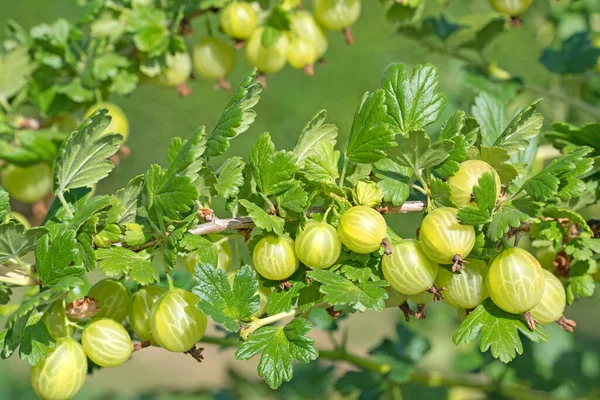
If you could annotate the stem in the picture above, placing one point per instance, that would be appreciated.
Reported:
(505, 243)
(420, 189)
(4, 103)
(268, 202)
(259, 323)
(64, 203)
(362, 362)
(170, 281)
(343, 174)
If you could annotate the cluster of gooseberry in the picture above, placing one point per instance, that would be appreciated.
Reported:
(434, 266)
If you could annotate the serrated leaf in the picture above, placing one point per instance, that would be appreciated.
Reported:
(54, 258)
(170, 247)
(372, 130)
(16, 240)
(580, 283)
(226, 304)
(573, 216)
(294, 201)
(415, 151)
(115, 261)
(230, 177)
(490, 113)
(266, 222)
(454, 129)
(171, 195)
(524, 127)
(440, 193)
(512, 215)
(413, 100)
(316, 133)
(486, 35)
(82, 159)
(497, 157)
(128, 201)
(576, 55)
(583, 247)
(279, 346)
(4, 206)
(338, 290)
(15, 69)
(273, 171)
(485, 199)
(35, 343)
(393, 181)
(237, 117)
(498, 331)
(201, 246)
(29, 148)
(322, 164)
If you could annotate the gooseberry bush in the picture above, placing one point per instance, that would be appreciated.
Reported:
(313, 222)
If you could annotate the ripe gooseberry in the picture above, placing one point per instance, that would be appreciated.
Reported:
(467, 177)
(318, 245)
(512, 8)
(224, 254)
(56, 321)
(515, 281)
(113, 298)
(444, 239)
(274, 257)
(177, 71)
(239, 20)
(119, 123)
(141, 307)
(464, 289)
(336, 15)
(552, 305)
(301, 54)
(27, 184)
(107, 343)
(407, 269)
(62, 374)
(213, 58)
(304, 26)
(263, 293)
(267, 60)
(362, 229)
(176, 323)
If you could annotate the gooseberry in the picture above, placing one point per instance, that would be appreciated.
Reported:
(552, 305)
(28, 184)
(267, 60)
(141, 307)
(107, 343)
(512, 8)
(464, 289)
(239, 20)
(467, 177)
(274, 257)
(213, 58)
(119, 123)
(318, 245)
(177, 71)
(336, 15)
(56, 321)
(362, 229)
(407, 269)
(113, 298)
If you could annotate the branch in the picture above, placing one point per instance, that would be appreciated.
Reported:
(217, 225)
(15, 277)
(435, 379)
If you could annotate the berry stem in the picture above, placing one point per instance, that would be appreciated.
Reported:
(259, 323)
(349, 36)
(141, 345)
(531, 322)
(406, 311)
(437, 292)
(386, 245)
(566, 324)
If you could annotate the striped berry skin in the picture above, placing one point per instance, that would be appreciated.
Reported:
(361, 229)
(467, 177)
(239, 20)
(515, 281)
(318, 245)
(442, 236)
(107, 343)
(552, 305)
(466, 288)
(424, 297)
(408, 270)
(175, 322)
(336, 14)
(62, 374)
(274, 257)
(395, 298)
(141, 307)
(113, 298)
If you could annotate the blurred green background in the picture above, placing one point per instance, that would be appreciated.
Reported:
(289, 101)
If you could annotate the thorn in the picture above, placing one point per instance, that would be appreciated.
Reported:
(406, 310)
(531, 322)
(437, 295)
(196, 353)
(566, 324)
(386, 245)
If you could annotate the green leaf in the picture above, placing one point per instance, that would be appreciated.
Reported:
(273, 171)
(338, 290)
(170, 247)
(583, 247)
(82, 159)
(294, 201)
(237, 117)
(29, 148)
(413, 100)
(169, 194)
(576, 55)
(512, 214)
(204, 248)
(440, 193)
(463, 138)
(28, 314)
(580, 282)
(565, 135)
(115, 261)
(35, 343)
(498, 331)
(226, 304)
(497, 157)
(128, 201)
(414, 151)
(486, 35)
(573, 216)
(54, 258)
(266, 222)
(4, 207)
(316, 133)
(75, 91)
(485, 199)
(283, 300)
(230, 178)
(372, 130)
(490, 113)
(322, 164)
(107, 65)
(440, 26)
(15, 70)
(279, 346)
(16, 240)
(277, 24)
(393, 181)
(524, 127)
